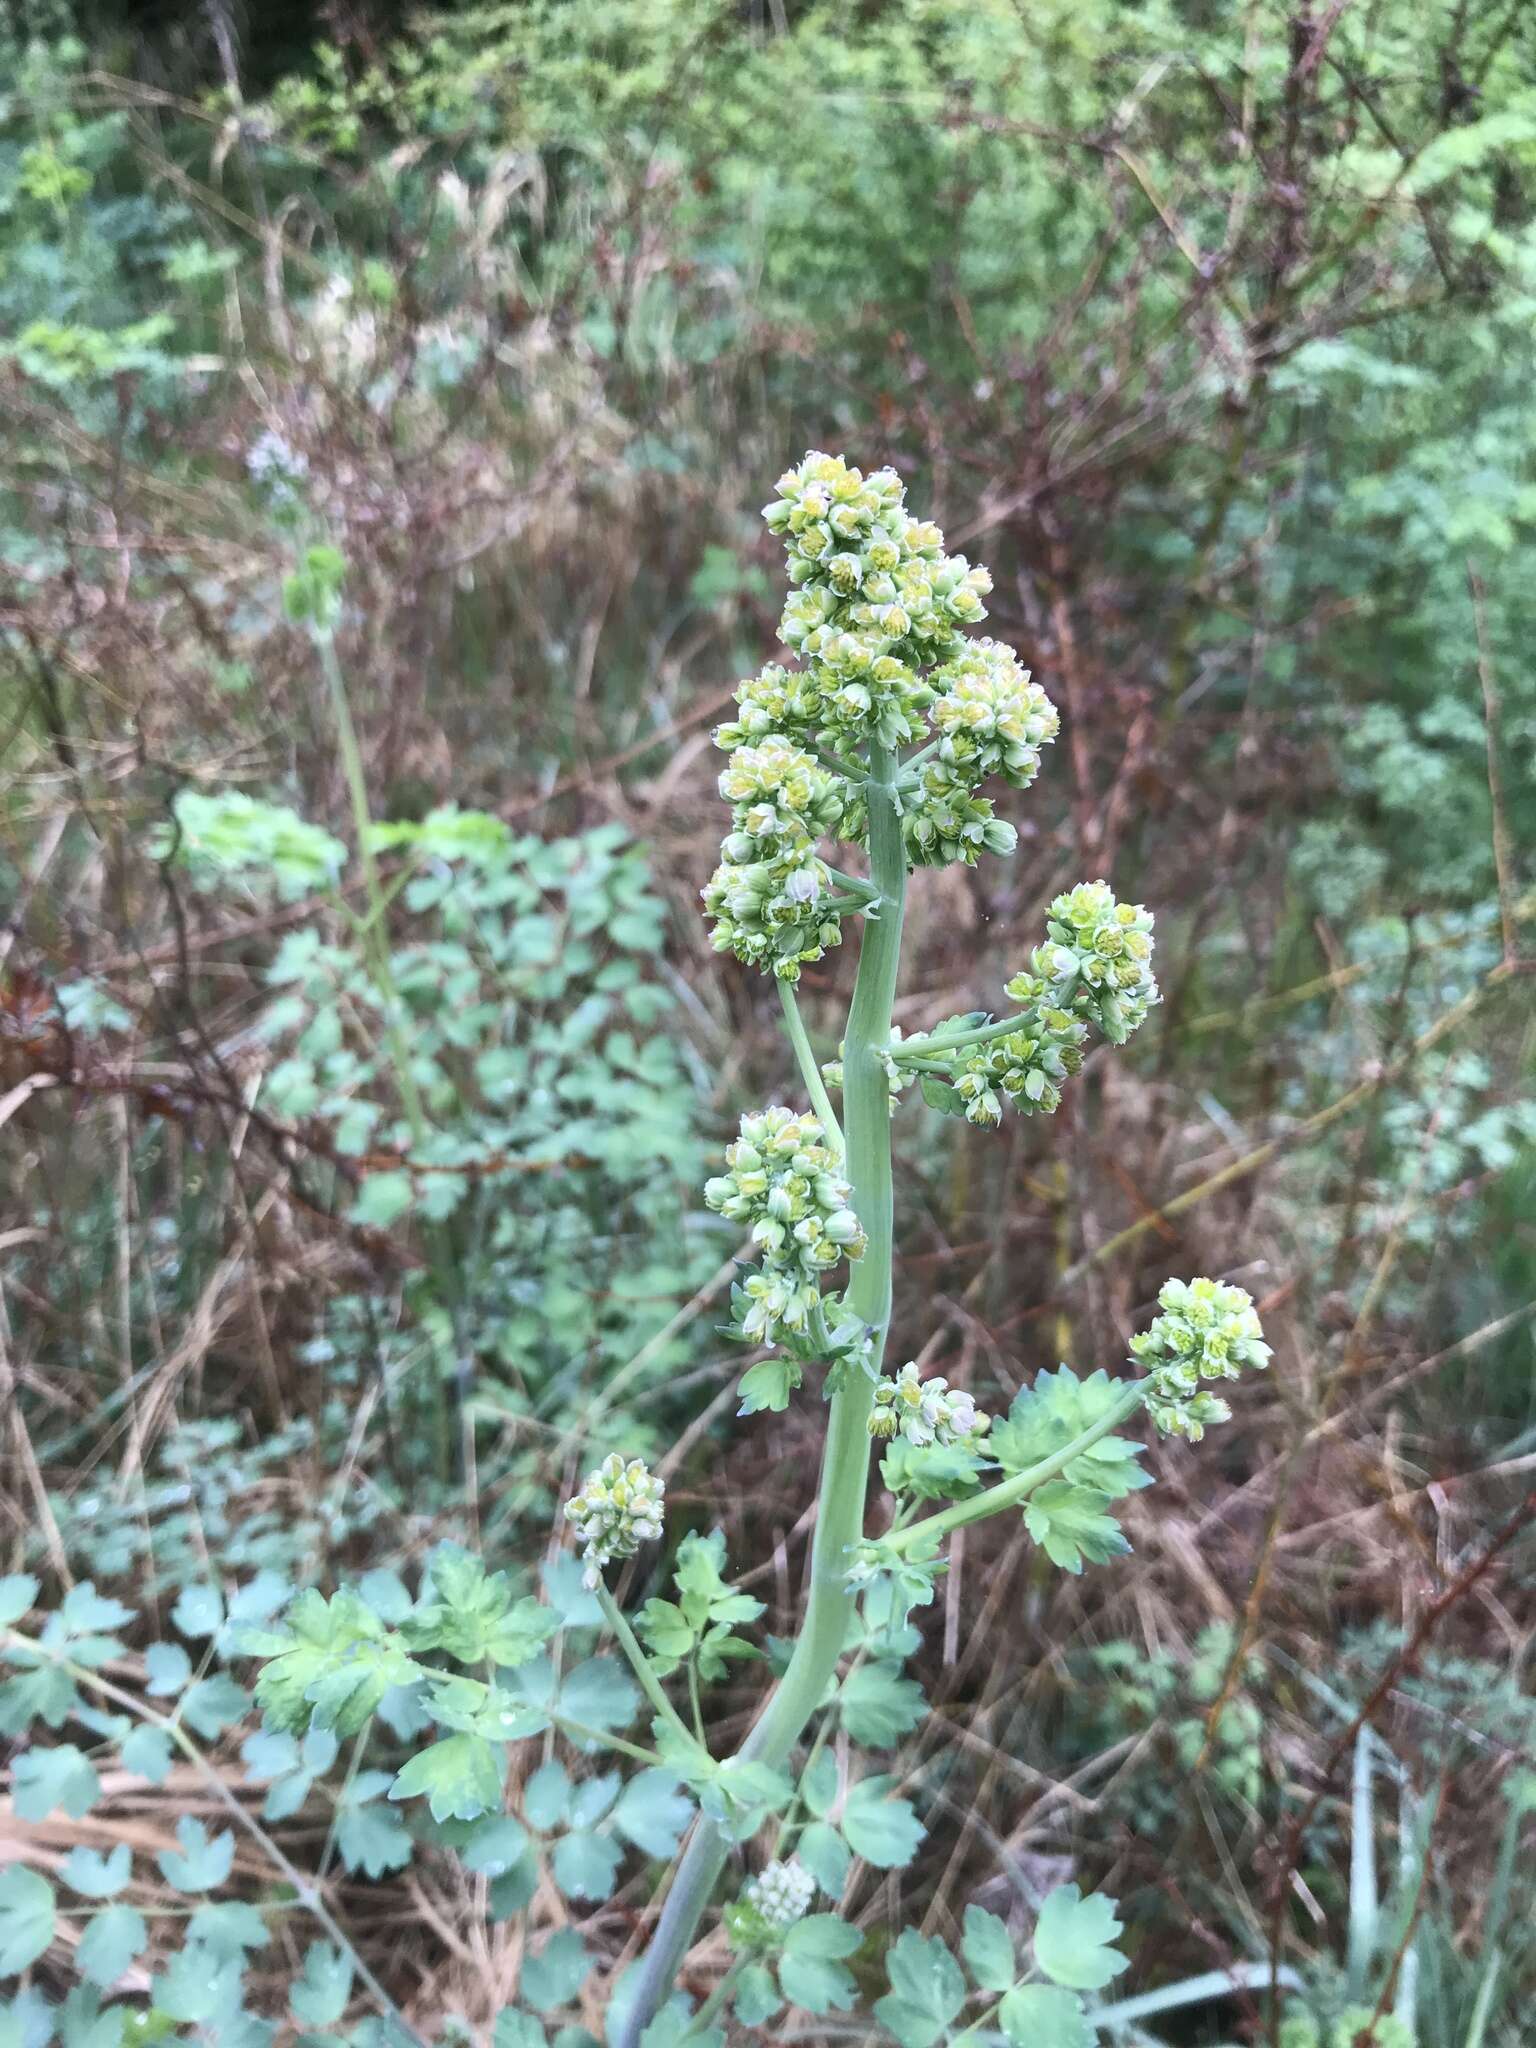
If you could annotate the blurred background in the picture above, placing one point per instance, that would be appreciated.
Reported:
(1212, 331)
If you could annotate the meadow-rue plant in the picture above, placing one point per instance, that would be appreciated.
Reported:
(885, 739)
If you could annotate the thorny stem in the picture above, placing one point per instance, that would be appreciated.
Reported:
(845, 1461)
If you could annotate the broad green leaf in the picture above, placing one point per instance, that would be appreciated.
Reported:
(1070, 1525)
(514, 1889)
(461, 1777)
(18, 1591)
(257, 1600)
(547, 1796)
(227, 1927)
(818, 1783)
(592, 1799)
(652, 1812)
(768, 1386)
(201, 1863)
(823, 1935)
(880, 1827)
(667, 1632)
(332, 1663)
(810, 1969)
(1074, 1937)
(826, 1856)
(1047, 1417)
(988, 1950)
(585, 1865)
(85, 1612)
(96, 1876)
(757, 1995)
(387, 1594)
(600, 1694)
(494, 1845)
(43, 1692)
(927, 1990)
(84, 2024)
(196, 1984)
(371, 1837)
(1044, 2016)
(214, 1704)
(199, 1612)
(383, 1199)
(168, 1668)
(514, 2029)
(878, 1705)
(555, 1975)
(319, 1994)
(576, 1604)
(26, 1918)
(472, 1615)
(147, 1753)
(43, 1780)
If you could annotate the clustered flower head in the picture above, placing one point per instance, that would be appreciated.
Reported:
(781, 1893)
(785, 1181)
(990, 719)
(870, 582)
(618, 1508)
(1096, 961)
(769, 895)
(1206, 1331)
(1027, 1067)
(877, 614)
(925, 1411)
(277, 469)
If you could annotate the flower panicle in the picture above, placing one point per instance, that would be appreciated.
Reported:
(785, 1182)
(925, 1411)
(618, 1508)
(1206, 1330)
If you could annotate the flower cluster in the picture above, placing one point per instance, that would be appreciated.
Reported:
(876, 614)
(836, 711)
(1028, 1066)
(617, 1509)
(1206, 1331)
(990, 719)
(769, 895)
(942, 821)
(870, 581)
(784, 1180)
(1096, 961)
(925, 1411)
(781, 1893)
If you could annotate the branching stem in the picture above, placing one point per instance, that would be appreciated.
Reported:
(1011, 1493)
(845, 1461)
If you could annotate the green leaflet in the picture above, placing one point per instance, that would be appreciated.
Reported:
(1046, 1417)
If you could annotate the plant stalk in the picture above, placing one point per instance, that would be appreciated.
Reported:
(845, 1460)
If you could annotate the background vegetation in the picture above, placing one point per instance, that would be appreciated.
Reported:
(1213, 330)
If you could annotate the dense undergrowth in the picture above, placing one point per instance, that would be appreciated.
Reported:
(1213, 332)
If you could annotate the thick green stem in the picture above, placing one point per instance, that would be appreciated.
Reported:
(845, 1461)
